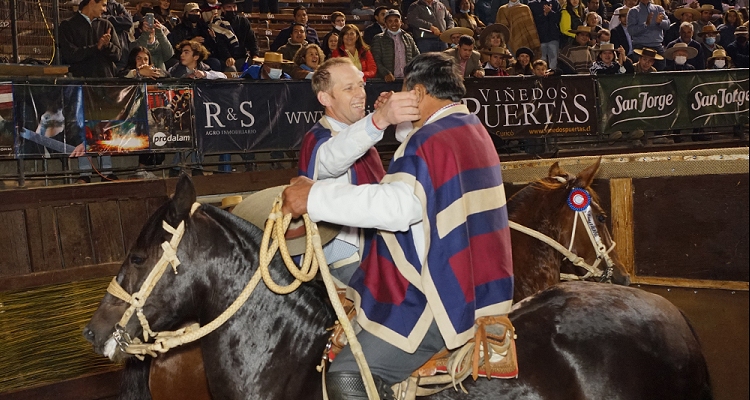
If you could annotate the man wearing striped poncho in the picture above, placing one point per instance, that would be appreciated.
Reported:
(441, 257)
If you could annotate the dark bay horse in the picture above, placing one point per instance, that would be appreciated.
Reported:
(576, 340)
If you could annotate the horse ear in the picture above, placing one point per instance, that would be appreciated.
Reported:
(183, 198)
(555, 170)
(586, 177)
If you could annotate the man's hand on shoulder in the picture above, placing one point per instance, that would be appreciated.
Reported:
(398, 107)
(295, 196)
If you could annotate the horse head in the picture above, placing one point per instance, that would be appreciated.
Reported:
(549, 206)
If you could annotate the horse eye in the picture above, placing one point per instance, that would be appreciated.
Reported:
(134, 259)
(601, 218)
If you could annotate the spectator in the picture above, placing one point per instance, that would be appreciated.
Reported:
(606, 64)
(270, 68)
(738, 49)
(452, 36)
(604, 36)
(164, 16)
(615, 20)
(142, 8)
(710, 38)
(719, 60)
(498, 61)
(494, 35)
(351, 45)
(378, 26)
(646, 25)
(731, 20)
(427, 20)
(155, 40)
(486, 10)
(685, 14)
(540, 69)
(226, 40)
(707, 14)
(247, 43)
(194, 27)
(620, 37)
(393, 49)
(306, 61)
(679, 54)
(140, 66)
(547, 19)
(338, 21)
(571, 18)
(89, 45)
(192, 57)
(593, 22)
(646, 60)
(122, 21)
(300, 17)
(331, 44)
(517, 17)
(577, 56)
(295, 42)
(465, 18)
(593, 7)
(686, 36)
(467, 58)
(522, 66)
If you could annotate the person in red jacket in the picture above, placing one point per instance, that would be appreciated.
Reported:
(353, 46)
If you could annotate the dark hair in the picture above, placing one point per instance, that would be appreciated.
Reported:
(134, 53)
(298, 24)
(377, 10)
(466, 40)
(439, 73)
(198, 49)
(298, 8)
(84, 3)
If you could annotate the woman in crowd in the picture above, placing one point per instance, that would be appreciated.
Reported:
(465, 18)
(719, 60)
(731, 20)
(353, 46)
(492, 37)
(606, 64)
(306, 61)
(522, 66)
(154, 38)
(592, 20)
(571, 18)
(140, 65)
(330, 44)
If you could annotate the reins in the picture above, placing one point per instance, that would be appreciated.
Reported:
(314, 260)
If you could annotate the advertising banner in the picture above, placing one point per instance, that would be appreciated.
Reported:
(116, 118)
(717, 98)
(511, 107)
(6, 119)
(49, 119)
(170, 116)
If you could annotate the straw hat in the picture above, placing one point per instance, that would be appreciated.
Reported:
(623, 11)
(720, 53)
(648, 53)
(708, 7)
(486, 32)
(271, 57)
(741, 30)
(230, 201)
(498, 50)
(707, 29)
(190, 7)
(691, 51)
(446, 36)
(604, 47)
(678, 13)
(256, 207)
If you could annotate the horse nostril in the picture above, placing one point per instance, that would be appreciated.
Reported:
(88, 334)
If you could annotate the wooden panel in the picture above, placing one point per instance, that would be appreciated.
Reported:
(50, 234)
(34, 232)
(106, 232)
(15, 259)
(692, 227)
(622, 220)
(154, 203)
(102, 386)
(134, 214)
(46, 278)
(75, 236)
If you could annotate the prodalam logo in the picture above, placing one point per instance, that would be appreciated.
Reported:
(161, 138)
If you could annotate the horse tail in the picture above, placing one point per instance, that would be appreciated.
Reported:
(706, 389)
(134, 383)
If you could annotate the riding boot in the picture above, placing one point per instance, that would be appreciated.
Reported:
(345, 385)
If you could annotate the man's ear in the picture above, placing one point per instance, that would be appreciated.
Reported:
(420, 90)
(325, 99)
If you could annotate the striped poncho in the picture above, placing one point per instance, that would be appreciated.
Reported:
(466, 271)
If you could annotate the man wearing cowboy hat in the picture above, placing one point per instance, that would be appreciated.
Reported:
(710, 36)
(646, 59)
(738, 49)
(393, 49)
(614, 22)
(577, 55)
(678, 55)
(619, 36)
(684, 14)
(707, 12)
(428, 19)
(468, 59)
(686, 37)
(452, 35)
(498, 61)
(270, 67)
(719, 60)
(646, 25)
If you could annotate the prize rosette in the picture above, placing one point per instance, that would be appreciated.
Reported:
(579, 199)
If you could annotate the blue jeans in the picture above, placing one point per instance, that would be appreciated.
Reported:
(549, 53)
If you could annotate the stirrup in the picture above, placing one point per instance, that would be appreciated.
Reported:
(346, 385)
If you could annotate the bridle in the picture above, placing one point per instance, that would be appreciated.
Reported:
(579, 200)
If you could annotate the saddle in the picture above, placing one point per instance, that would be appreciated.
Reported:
(491, 354)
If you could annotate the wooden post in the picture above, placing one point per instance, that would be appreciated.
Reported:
(621, 191)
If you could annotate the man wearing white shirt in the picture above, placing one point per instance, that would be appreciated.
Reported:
(440, 258)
